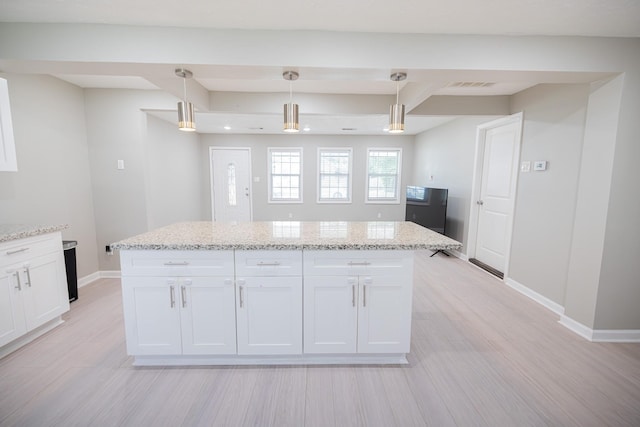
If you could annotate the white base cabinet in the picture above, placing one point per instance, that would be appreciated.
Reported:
(361, 310)
(176, 313)
(267, 307)
(33, 286)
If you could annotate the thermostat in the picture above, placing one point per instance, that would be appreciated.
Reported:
(540, 165)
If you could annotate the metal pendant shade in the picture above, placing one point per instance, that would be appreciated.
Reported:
(186, 117)
(291, 122)
(396, 111)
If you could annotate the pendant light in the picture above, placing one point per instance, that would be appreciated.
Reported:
(186, 120)
(396, 112)
(291, 122)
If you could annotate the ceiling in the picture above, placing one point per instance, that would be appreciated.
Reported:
(608, 18)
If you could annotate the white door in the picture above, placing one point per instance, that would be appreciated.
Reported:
(45, 289)
(152, 315)
(330, 314)
(12, 321)
(498, 154)
(230, 184)
(384, 314)
(269, 315)
(208, 315)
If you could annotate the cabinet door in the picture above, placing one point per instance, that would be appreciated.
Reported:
(208, 315)
(269, 315)
(384, 314)
(45, 289)
(152, 315)
(330, 314)
(12, 321)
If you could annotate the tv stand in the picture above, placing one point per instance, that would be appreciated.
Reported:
(438, 251)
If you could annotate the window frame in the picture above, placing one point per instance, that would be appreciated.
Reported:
(270, 151)
(319, 175)
(383, 200)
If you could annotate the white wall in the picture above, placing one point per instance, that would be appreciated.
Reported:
(553, 130)
(310, 210)
(53, 182)
(446, 153)
(160, 161)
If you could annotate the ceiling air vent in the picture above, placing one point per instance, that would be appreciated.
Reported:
(349, 129)
(470, 84)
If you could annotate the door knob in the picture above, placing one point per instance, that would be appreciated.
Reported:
(480, 202)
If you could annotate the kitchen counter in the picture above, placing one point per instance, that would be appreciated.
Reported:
(290, 235)
(9, 232)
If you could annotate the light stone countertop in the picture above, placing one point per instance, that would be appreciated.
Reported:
(9, 232)
(289, 235)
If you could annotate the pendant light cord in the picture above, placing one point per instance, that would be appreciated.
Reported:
(184, 85)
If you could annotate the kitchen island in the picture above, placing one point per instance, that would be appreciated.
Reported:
(208, 293)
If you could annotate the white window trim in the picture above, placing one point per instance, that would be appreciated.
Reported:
(398, 197)
(350, 177)
(286, 201)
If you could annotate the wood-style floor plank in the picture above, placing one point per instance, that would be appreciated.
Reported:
(481, 355)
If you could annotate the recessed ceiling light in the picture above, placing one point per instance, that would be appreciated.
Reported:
(227, 127)
(306, 129)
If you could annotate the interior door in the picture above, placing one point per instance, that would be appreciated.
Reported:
(499, 147)
(230, 184)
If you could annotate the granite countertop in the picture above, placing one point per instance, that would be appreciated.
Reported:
(10, 232)
(294, 235)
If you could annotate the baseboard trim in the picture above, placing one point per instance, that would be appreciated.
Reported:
(576, 327)
(459, 255)
(540, 299)
(601, 335)
(90, 278)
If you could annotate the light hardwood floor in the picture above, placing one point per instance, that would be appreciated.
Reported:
(482, 355)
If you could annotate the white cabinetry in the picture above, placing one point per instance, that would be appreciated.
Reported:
(178, 302)
(357, 301)
(33, 287)
(269, 302)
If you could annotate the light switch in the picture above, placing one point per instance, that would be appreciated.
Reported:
(256, 179)
(525, 166)
(540, 165)
(120, 164)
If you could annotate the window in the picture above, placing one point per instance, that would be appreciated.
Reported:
(383, 175)
(285, 175)
(334, 175)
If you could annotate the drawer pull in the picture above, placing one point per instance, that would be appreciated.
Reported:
(268, 264)
(28, 282)
(17, 251)
(18, 287)
(352, 263)
(353, 295)
(241, 298)
(176, 263)
(364, 295)
(183, 294)
(172, 296)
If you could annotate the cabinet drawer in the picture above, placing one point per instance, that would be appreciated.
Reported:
(355, 263)
(25, 249)
(268, 263)
(176, 263)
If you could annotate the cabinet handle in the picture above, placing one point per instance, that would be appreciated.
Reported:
(268, 264)
(183, 294)
(241, 298)
(28, 282)
(364, 295)
(19, 287)
(17, 251)
(353, 295)
(351, 263)
(176, 263)
(172, 296)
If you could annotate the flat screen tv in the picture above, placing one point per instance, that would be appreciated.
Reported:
(427, 207)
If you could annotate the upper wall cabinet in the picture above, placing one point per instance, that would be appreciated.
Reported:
(8, 161)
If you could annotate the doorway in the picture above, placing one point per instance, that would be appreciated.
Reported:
(230, 170)
(494, 193)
